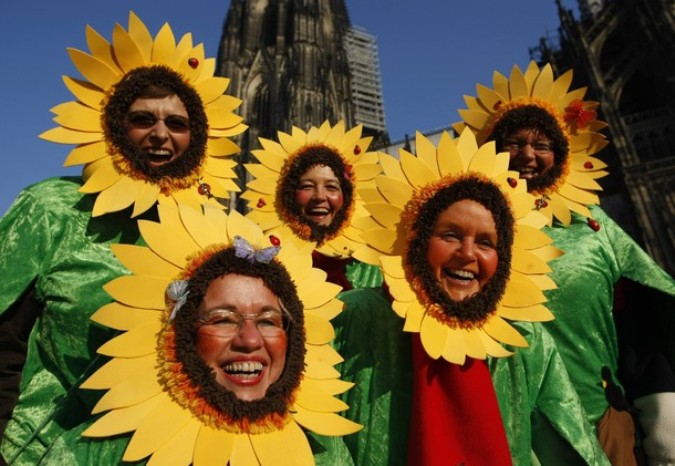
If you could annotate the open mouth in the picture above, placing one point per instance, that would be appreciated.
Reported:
(318, 213)
(461, 275)
(243, 370)
(528, 172)
(159, 156)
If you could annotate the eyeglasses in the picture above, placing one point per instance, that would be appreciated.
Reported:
(539, 148)
(146, 120)
(228, 323)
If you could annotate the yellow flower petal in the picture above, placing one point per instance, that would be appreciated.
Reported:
(117, 196)
(119, 369)
(74, 115)
(319, 331)
(137, 342)
(521, 292)
(85, 153)
(179, 450)
(209, 441)
(120, 317)
(136, 388)
(66, 136)
(102, 177)
(310, 396)
(395, 191)
(433, 335)
(502, 331)
(326, 423)
(138, 291)
(536, 313)
(417, 173)
(243, 453)
(528, 263)
(454, 348)
(156, 429)
(120, 421)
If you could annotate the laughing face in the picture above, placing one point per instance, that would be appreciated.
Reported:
(319, 195)
(530, 153)
(159, 128)
(241, 335)
(462, 249)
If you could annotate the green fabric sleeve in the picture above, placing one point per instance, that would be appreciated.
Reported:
(25, 246)
(378, 359)
(362, 275)
(540, 407)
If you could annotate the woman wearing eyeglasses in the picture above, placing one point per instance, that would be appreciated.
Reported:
(223, 354)
(552, 136)
(143, 111)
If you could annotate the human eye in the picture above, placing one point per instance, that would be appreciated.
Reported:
(306, 185)
(142, 119)
(177, 123)
(333, 187)
(450, 235)
(541, 147)
(221, 318)
(270, 319)
(511, 145)
(486, 243)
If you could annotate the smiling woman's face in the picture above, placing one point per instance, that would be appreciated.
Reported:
(319, 195)
(241, 335)
(159, 128)
(462, 249)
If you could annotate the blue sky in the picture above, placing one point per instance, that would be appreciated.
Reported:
(431, 53)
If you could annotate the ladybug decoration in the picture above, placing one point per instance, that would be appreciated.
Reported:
(593, 224)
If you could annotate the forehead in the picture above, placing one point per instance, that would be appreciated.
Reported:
(467, 213)
(319, 172)
(169, 105)
(239, 291)
(530, 134)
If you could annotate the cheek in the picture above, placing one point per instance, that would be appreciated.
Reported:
(136, 135)
(337, 200)
(546, 161)
(302, 197)
(437, 252)
(209, 346)
(181, 142)
(488, 263)
(276, 348)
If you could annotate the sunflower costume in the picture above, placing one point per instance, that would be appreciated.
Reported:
(441, 371)
(114, 73)
(572, 188)
(55, 238)
(598, 253)
(160, 390)
(270, 195)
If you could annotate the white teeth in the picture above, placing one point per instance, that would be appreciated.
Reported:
(162, 152)
(465, 274)
(318, 211)
(244, 367)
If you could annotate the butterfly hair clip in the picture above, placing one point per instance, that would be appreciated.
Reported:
(244, 250)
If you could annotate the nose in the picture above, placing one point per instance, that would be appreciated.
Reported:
(320, 193)
(527, 151)
(159, 130)
(467, 249)
(248, 337)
